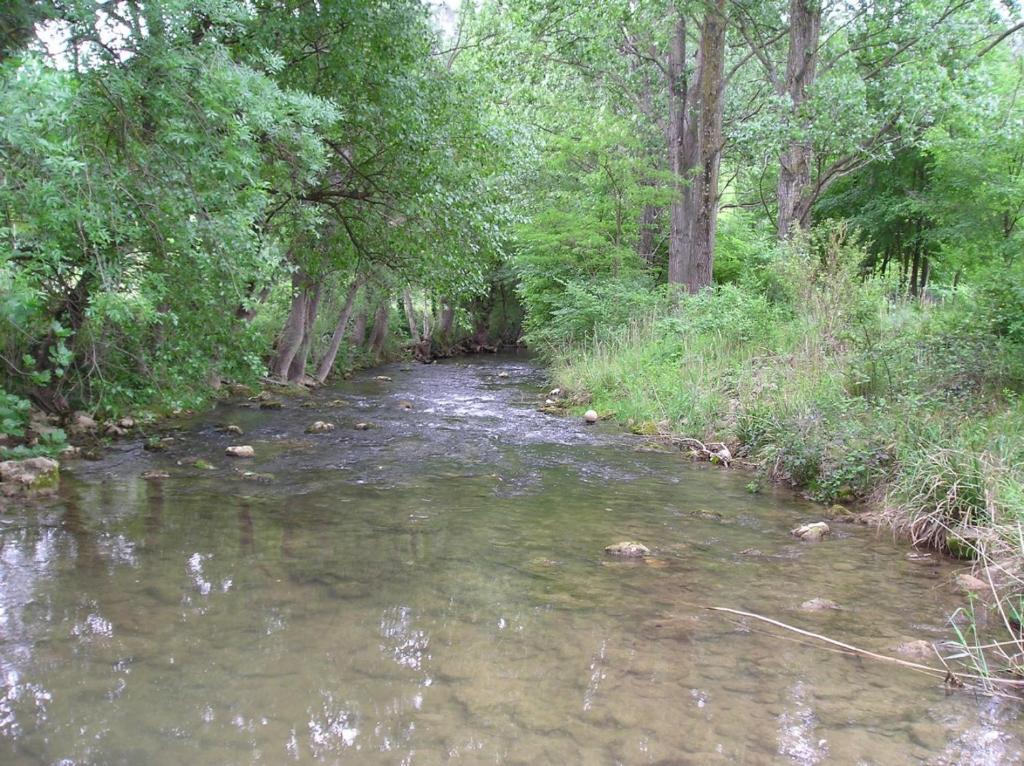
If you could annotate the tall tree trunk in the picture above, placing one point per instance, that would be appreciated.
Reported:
(795, 193)
(358, 337)
(331, 354)
(649, 215)
(447, 319)
(297, 369)
(695, 149)
(913, 271)
(379, 333)
(294, 328)
(410, 316)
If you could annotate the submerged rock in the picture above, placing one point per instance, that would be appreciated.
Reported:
(362, 426)
(628, 549)
(590, 417)
(241, 450)
(405, 404)
(34, 476)
(917, 650)
(263, 478)
(819, 605)
(153, 475)
(271, 404)
(383, 378)
(968, 583)
(233, 429)
(320, 427)
(812, 533)
(502, 374)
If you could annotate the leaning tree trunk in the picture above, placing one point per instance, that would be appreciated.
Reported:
(695, 149)
(292, 335)
(339, 331)
(297, 369)
(795, 192)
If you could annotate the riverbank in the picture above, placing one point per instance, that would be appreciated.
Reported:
(908, 409)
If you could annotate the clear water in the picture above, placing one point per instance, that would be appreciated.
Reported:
(433, 590)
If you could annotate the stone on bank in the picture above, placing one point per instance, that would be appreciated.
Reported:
(34, 476)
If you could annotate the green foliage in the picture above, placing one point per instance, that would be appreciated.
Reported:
(13, 414)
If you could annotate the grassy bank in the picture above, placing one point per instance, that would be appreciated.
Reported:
(816, 374)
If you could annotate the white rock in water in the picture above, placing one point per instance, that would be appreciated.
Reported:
(814, 533)
(502, 374)
(628, 549)
(320, 427)
(242, 450)
(590, 416)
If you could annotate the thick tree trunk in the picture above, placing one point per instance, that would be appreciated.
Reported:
(695, 149)
(297, 369)
(379, 333)
(324, 369)
(294, 328)
(796, 196)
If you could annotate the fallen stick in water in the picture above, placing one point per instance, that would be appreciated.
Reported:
(949, 677)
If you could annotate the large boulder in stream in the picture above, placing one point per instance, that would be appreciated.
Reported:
(812, 533)
(34, 476)
(628, 550)
(241, 450)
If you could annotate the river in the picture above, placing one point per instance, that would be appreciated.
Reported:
(434, 590)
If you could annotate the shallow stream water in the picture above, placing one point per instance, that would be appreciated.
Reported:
(434, 590)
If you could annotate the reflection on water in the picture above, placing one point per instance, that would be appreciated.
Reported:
(434, 590)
